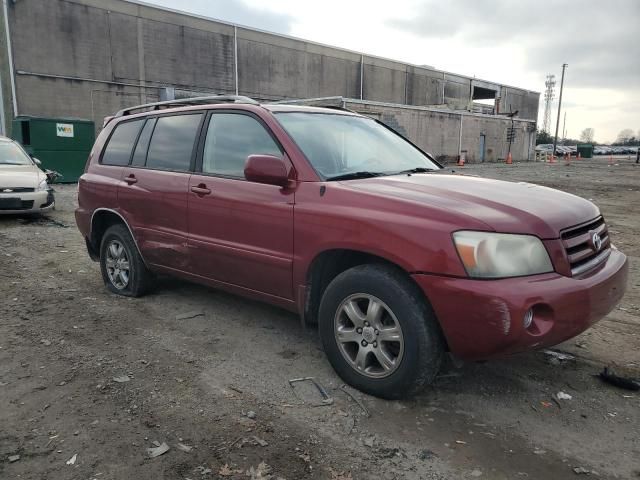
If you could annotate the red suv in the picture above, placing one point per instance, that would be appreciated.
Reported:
(335, 216)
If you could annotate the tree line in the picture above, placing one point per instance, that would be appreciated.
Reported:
(626, 137)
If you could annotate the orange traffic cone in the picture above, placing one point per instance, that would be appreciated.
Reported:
(552, 159)
(509, 159)
(460, 161)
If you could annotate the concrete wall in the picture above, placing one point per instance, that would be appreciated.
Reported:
(438, 132)
(115, 54)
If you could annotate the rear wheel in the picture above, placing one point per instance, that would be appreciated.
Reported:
(122, 267)
(379, 333)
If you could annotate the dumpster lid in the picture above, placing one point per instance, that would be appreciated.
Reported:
(54, 119)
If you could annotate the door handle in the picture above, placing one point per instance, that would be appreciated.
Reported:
(131, 179)
(201, 190)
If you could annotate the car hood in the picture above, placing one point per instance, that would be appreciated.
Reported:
(502, 206)
(23, 176)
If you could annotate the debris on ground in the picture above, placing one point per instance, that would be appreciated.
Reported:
(563, 396)
(340, 475)
(609, 376)
(72, 460)
(325, 397)
(188, 315)
(157, 451)
(184, 448)
(121, 379)
(555, 357)
(45, 342)
(13, 458)
(206, 471)
(476, 473)
(262, 471)
(225, 471)
(251, 414)
(260, 441)
(581, 471)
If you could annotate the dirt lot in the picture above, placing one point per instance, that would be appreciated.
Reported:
(218, 381)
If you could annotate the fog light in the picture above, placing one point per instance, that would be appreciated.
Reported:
(528, 318)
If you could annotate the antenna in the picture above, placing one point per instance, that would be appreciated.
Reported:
(549, 95)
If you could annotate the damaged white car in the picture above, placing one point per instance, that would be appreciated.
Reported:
(24, 187)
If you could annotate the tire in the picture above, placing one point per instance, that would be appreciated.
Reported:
(138, 279)
(396, 362)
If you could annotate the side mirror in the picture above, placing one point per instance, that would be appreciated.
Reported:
(37, 162)
(266, 169)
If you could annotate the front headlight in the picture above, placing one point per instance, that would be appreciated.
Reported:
(499, 255)
(43, 185)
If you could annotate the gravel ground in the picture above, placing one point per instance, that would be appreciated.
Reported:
(89, 376)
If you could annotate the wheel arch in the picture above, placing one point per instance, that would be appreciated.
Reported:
(101, 220)
(328, 264)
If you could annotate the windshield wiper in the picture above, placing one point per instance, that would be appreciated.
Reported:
(355, 175)
(415, 170)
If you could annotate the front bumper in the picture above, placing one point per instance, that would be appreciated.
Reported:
(484, 318)
(33, 202)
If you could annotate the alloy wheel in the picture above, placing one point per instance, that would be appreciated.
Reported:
(369, 335)
(117, 264)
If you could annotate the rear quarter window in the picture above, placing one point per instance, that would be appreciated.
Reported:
(120, 144)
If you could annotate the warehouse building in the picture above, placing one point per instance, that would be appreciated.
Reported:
(89, 58)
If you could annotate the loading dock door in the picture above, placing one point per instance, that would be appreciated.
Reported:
(482, 141)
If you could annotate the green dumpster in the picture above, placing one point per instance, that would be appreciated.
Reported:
(585, 150)
(61, 144)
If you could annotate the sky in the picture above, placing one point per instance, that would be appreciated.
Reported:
(515, 42)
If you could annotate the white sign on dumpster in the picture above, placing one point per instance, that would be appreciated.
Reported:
(64, 129)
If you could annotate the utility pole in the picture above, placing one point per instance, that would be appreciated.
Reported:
(555, 138)
(564, 129)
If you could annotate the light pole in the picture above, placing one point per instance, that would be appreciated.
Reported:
(555, 138)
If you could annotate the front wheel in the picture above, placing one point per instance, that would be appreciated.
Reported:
(379, 333)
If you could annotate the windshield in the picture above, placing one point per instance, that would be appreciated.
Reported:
(351, 147)
(12, 154)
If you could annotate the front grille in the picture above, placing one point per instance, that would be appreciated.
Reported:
(22, 205)
(581, 251)
(17, 189)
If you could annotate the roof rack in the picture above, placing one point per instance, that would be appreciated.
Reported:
(183, 102)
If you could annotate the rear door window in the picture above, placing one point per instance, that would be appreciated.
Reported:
(118, 150)
(172, 142)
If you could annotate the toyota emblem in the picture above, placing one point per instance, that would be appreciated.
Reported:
(596, 241)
